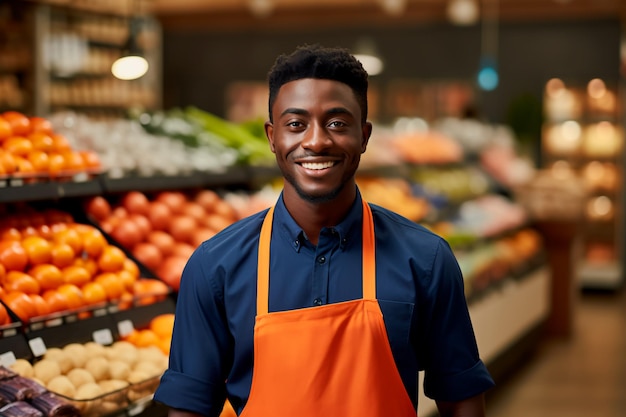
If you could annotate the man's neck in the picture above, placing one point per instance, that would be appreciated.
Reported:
(312, 217)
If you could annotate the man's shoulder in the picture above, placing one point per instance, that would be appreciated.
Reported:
(237, 234)
(387, 218)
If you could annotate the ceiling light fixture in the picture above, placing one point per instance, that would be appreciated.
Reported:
(463, 12)
(365, 52)
(131, 64)
(488, 77)
(393, 7)
(261, 8)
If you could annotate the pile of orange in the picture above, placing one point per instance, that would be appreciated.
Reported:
(29, 146)
(50, 264)
(162, 231)
(158, 333)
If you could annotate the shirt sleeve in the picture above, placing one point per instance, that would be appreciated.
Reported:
(452, 365)
(195, 379)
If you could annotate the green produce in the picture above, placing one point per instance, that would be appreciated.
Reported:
(198, 128)
(253, 148)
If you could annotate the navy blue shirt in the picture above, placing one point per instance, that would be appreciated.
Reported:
(419, 289)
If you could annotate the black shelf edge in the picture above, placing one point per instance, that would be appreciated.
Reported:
(140, 316)
(15, 344)
(152, 183)
(232, 176)
(80, 331)
(48, 190)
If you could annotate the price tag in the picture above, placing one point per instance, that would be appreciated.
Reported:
(125, 327)
(103, 337)
(37, 346)
(7, 359)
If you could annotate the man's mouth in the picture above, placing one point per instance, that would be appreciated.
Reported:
(317, 165)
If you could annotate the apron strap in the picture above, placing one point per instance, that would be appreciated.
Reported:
(368, 255)
(263, 268)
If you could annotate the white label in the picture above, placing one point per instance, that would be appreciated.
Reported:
(37, 346)
(125, 327)
(103, 336)
(7, 359)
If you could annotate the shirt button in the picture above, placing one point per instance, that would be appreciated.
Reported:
(317, 302)
(321, 259)
(296, 243)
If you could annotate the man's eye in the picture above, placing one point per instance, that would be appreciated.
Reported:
(294, 124)
(336, 123)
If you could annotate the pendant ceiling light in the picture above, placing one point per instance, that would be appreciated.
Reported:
(463, 12)
(393, 7)
(367, 54)
(131, 64)
(488, 77)
(261, 8)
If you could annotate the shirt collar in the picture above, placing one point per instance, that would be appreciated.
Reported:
(349, 229)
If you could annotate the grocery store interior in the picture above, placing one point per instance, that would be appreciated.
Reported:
(132, 130)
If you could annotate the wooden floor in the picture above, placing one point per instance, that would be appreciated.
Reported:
(583, 376)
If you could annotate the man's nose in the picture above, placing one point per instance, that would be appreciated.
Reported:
(317, 137)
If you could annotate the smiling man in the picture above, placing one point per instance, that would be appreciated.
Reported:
(323, 305)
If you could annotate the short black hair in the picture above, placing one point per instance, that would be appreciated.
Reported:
(316, 61)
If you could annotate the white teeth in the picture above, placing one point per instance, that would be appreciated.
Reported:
(317, 165)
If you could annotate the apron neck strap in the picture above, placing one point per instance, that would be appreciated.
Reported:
(368, 255)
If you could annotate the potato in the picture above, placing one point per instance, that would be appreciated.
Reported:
(61, 384)
(80, 377)
(115, 390)
(119, 369)
(152, 354)
(147, 367)
(137, 394)
(23, 368)
(98, 367)
(94, 349)
(111, 385)
(122, 344)
(60, 357)
(130, 356)
(77, 353)
(88, 391)
(46, 369)
(137, 376)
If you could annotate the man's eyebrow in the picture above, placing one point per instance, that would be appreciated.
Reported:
(339, 110)
(294, 110)
(302, 112)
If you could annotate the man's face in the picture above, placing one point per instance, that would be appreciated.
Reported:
(317, 137)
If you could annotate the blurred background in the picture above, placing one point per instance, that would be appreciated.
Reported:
(498, 124)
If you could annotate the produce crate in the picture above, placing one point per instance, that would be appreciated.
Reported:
(136, 396)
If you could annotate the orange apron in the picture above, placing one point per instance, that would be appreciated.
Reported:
(331, 360)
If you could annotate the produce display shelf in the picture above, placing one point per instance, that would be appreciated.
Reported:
(19, 190)
(102, 324)
(600, 275)
(13, 344)
(141, 315)
(151, 183)
(80, 331)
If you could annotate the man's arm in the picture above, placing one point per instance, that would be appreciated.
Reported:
(471, 407)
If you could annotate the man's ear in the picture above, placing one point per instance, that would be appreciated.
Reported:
(269, 133)
(367, 132)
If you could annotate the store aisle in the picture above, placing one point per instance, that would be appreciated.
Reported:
(581, 377)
